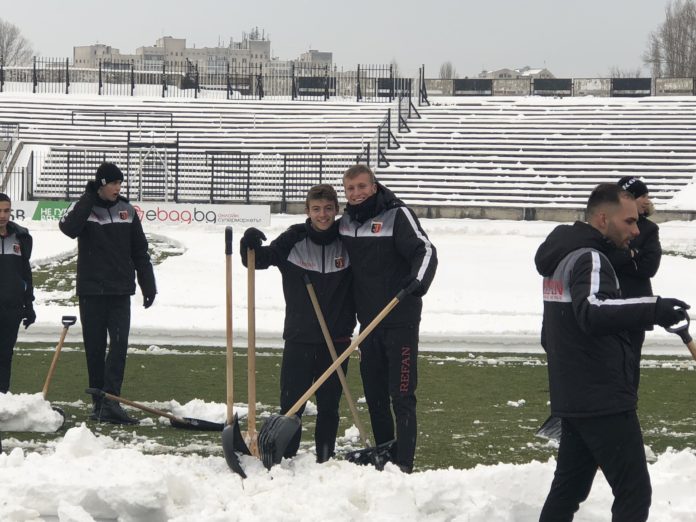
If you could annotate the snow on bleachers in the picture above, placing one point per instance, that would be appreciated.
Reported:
(539, 151)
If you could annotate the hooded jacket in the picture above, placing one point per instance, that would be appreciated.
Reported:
(16, 286)
(584, 333)
(322, 256)
(111, 246)
(387, 247)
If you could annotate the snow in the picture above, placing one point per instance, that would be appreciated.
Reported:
(486, 296)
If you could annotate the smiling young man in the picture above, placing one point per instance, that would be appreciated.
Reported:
(111, 250)
(16, 288)
(591, 363)
(313, 248)
(389, 251)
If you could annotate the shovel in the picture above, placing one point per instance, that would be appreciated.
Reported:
(251, 435)
(232, 440)
(68, 321)
(551, 429)
(177, 422)
(278, 430)
(369, 454)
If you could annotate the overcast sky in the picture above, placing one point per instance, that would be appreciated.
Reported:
(570, 38)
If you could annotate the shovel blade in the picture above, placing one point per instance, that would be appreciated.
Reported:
(62, 414)
(188, 423)
(551, 429)
(376, 456)
(274, 437)
(232, 442)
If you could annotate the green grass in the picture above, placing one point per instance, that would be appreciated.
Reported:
(464, 413)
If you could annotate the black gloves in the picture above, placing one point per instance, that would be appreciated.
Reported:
(148, 300)
(412, 286)
(665, 312)
(252, 239)
(28, 316)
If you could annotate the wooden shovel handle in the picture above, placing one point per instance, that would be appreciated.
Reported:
(54, 362)
(134, 404)
(691, 345)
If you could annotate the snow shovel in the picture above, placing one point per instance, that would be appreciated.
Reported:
(251, 435)
(278, 431)
(68, 321)
(232, 440)
(176, 422)
(551, 429)
(369, 454)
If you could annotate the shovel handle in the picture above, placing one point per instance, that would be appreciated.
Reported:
(228, 326)
(105, 395)
(360, 338)
(251, 349)
(67, 320)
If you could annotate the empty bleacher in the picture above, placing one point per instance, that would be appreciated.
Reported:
(528, 152)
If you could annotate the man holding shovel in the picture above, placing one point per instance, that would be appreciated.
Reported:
(591, 362)
(111, 250)
(313, 248)
(389, 252)
(16, 288)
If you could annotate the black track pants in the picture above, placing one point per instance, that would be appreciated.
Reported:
(389, 372)
(99, 315)
(302, 364)
(612, 443)
(9, 327)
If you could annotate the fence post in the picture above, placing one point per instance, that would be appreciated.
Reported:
(33, 77)
(67, 76)
(99, 91)
(259, 82)
(196, 83)
(283, 203)
(2, 73)
(358, 92)
(248, 183)
(67, 178)
(326, 82)
(391, 84)
(293, 84)
(164, 78)
(227, 78)
(132, 75)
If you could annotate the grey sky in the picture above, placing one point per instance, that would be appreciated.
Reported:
(570, 38)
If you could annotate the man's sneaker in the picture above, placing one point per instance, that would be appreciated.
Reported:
(112, 412)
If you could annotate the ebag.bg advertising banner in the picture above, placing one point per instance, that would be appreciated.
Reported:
(161, 213)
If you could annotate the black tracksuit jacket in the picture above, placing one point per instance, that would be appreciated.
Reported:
(591, 364)
(16, 286)
(386, 246)
(111, 247)
(321, 255)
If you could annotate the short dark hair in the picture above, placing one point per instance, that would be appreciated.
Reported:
(605, 193)
(5, 197)
(358, 169)
(322, 191)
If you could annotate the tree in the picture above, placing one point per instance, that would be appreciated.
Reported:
(14, 48)
(395, 68)
(616, 72)
(447, 71)
(671, 50)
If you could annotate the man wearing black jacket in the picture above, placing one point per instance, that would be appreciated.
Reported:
(16, 288)
(389, 251)
(313, 248)
(638, 263)
(591, 363)
(111, 250)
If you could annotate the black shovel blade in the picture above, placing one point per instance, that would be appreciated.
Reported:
(62, 414)
(274, 437)
(551, 429)
(376, 456)
(188, 423)
(233, 442)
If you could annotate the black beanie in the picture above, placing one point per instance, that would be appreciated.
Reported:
(108, 172)
(634, 186)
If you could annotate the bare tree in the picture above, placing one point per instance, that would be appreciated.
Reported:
(616, 72)
(671, 50)
(447, 71)
(14, 48)
(395, 68)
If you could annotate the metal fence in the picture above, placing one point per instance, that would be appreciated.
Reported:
(211, 79)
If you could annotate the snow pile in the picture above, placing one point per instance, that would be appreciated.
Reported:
(27, 412)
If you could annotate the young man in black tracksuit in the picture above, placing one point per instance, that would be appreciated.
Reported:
(591, 362)
(313, 248)
(389, 251)
(638, 263)
(111, 250)
(16, 288)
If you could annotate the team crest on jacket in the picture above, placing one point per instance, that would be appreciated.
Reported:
(376, 227)
(17, 249)
(339, 262)
(123, 214)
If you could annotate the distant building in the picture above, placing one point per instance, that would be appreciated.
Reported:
(254, 49)
(316, 57)
(523, 72)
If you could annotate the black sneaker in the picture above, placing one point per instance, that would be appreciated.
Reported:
(112, 412)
